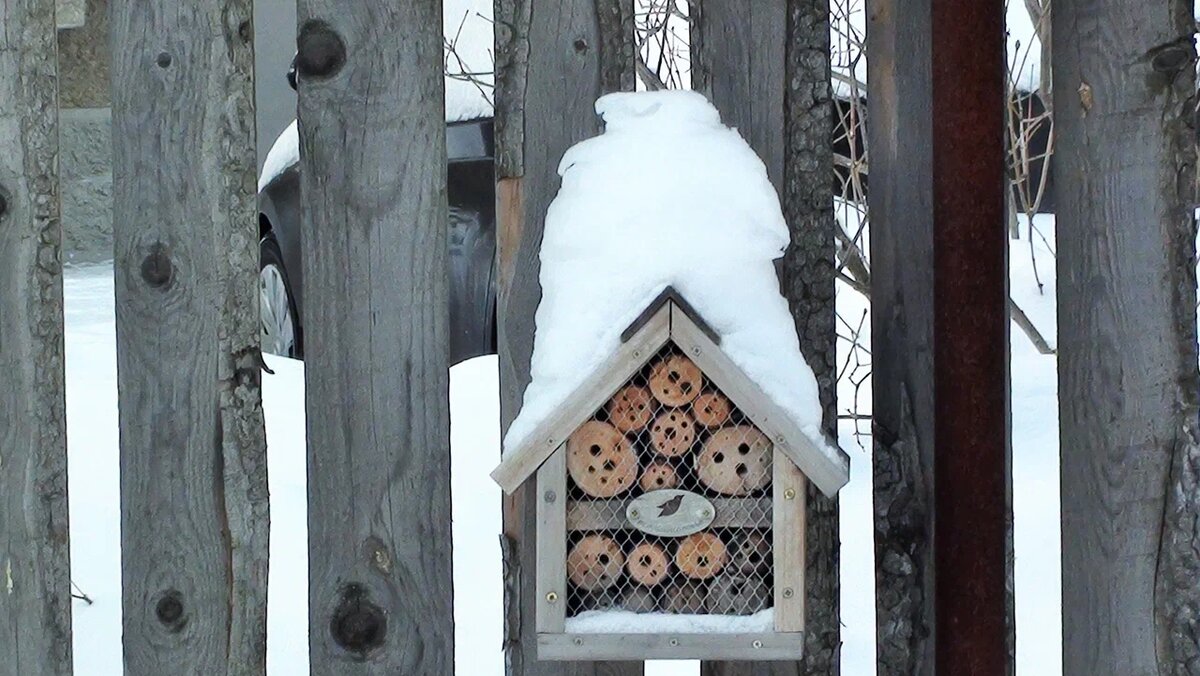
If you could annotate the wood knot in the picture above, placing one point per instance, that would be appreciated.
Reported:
(246, 31)
(320, 51)
(358, 625)
(157, 269)
(163, 60)
(3, 202)
(581, 46)
(1171, 59)
(170, 611)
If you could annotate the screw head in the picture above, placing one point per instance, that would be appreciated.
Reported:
(788, 593)
(674, 642)
(578, 641)
(633, 513)
(789, 494)
(696, 350)
(757, 644)
(551, 496)
(552, 597)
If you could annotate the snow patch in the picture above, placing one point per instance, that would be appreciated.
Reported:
(666, 196)
(628, 622)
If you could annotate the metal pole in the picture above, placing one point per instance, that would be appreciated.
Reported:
(970, 337)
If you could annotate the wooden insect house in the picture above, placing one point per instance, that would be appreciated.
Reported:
(670, 504)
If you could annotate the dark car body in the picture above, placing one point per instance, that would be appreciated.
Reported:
(472, 236)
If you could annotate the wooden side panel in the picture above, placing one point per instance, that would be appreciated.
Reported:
(553, 59)
(1128, 383)
(35, 586)
(373, 159)
(552, 543)
(901, 139)
(193, 456)
(788, 526)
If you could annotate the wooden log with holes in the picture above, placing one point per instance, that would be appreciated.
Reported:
(673, 432)
(640, 600)
(685, 598)
(630, 409)
(711, 409)
(734, 594)
(701, 555)
(749, 552)
(658, 475)
(595, 562)
(735, 460)
(648, 564)
(676, 381)
(600, 460)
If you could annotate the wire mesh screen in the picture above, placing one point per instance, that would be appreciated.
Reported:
(669, 504)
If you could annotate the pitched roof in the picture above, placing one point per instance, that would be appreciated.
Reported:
(669, 318)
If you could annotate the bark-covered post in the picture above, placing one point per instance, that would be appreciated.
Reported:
(194, 513)
(373, 168)
(766, 68)
(35, 585)
(1125, 104)
(900, 138)
(553, 60)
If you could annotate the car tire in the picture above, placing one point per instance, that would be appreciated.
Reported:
(281, 332)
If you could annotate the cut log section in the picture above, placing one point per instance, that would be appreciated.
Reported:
(737, 595)
(675, 381)
(631, 408)
(735, 460)
(711, 409)
(749, 553)
(685, 598)
(658, 475)
(600, 460)
(701, 556)
(648, 564)
(595, 562)
(639, 600)
(673, 432)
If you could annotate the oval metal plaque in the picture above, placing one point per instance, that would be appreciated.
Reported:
(670, 513)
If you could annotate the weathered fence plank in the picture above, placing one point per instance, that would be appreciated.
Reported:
(1124, 95)
(553, 59)
(194, 515)
(900, 138)
(35, 585)
(373, 167)
(766, 67)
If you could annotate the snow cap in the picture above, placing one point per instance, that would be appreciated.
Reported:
(666, 196)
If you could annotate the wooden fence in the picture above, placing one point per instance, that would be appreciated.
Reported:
(194, 501)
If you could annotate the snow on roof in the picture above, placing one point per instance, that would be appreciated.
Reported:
(666, 196)
(467, 26)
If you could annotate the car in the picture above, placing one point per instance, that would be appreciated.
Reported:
(472, 242)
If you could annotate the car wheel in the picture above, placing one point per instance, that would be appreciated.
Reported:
(277, 307)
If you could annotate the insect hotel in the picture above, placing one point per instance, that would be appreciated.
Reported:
(671, 504)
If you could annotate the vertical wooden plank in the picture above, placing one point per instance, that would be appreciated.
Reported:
(35, 587)
(766, 68)
(194, 520)
(900, 136)
(553, 59)
(1124, 101)
(787, 520)
(552, 543)
(373, 167)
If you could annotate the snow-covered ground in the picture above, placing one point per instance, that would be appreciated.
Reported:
(95, 515)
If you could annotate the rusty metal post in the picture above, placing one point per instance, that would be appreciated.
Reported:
(971, 336)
